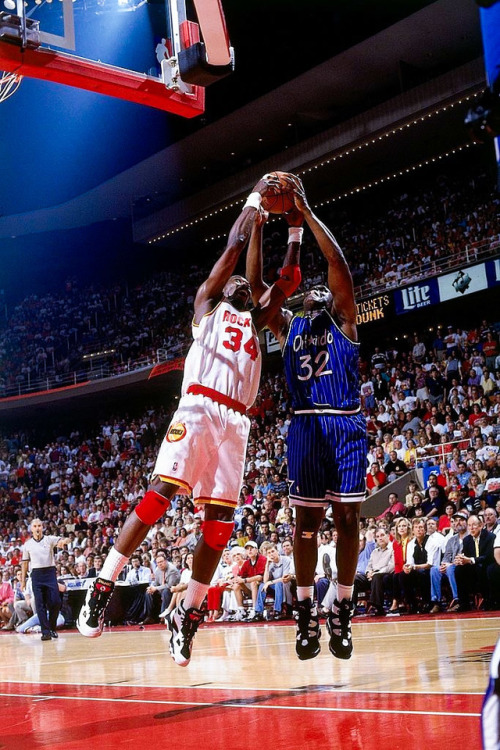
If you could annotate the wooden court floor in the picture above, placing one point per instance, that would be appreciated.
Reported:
(411, 683)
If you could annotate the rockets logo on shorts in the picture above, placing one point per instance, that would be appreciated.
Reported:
(176, 432)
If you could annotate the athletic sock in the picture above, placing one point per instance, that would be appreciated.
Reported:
(344, 592)
(305, 592)
(113, 565)
(195, 594)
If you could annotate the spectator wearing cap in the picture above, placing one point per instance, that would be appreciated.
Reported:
(249, 578)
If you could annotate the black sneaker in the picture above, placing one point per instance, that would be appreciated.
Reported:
(183, 624)
(308, 631)
(91, 618)
(339, 627)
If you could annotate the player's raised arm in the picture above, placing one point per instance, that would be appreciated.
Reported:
(210, 291)
(254, 257)
(339, 275)
(269, 311)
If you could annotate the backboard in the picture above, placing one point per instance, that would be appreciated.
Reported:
(115, 40)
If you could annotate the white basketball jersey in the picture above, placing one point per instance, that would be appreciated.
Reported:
(225, 354)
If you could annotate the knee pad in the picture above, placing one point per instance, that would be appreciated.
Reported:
(152, 507)
(217, 533)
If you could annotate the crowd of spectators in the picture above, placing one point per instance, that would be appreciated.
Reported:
(83, 487)
(82, 333)
(434, 406)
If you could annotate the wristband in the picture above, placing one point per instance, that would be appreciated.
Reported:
(254, 200)
(295, 234)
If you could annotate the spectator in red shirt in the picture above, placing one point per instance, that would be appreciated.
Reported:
(395, 506)
(247, 582)
(375, 478)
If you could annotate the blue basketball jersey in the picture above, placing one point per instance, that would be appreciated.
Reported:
(321, 364)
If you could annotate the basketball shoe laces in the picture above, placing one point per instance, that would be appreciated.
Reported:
(307, 624)
(98, 603)
(190, 625)
(339, 626)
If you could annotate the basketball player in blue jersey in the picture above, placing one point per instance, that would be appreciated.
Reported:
(327, 444)
(203, 452)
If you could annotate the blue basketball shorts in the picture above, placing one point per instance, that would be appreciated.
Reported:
(327, 459)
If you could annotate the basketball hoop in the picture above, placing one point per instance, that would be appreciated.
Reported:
(9, 83)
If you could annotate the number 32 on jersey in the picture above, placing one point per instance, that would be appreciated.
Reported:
(314, 368)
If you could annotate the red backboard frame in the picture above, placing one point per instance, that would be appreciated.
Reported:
(101, 78)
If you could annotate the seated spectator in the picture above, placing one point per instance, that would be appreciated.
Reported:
(395, 507)
(159, 592)
(178, 590)
(402, 535)
(277, 579)
(410, 454)
(6, 598)
(415, 578)
(252, 572)
(229, 603)
(433, 505)
(444, 523)
(412, 490)
(491, 522)
(378, 571)
(326, 565)
(366, 547)
(375, 478)
(395, 467)
(136, 575)
(472, 565)
(24, 606)
(433, 481)
(446, 568)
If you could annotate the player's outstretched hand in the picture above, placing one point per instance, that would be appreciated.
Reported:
(263, 185)
(299, 195)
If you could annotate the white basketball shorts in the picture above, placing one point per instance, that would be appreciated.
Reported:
(204, 450)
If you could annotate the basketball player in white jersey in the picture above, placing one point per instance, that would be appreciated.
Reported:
(204, 449)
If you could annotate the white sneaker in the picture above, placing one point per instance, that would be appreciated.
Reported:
(225, 617)
(90, 621)
(163, 614)
(240, 616)
(183, 624)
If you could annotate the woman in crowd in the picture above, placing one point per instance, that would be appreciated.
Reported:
(403, 535)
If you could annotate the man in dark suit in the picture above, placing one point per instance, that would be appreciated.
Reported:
(472, 564)
(159, 594)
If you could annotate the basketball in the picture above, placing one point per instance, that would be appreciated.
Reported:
(278, 199)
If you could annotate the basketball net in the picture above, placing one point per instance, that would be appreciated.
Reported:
(9, 83)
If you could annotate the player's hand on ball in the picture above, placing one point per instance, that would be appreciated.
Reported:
(299, 197)
(266, 182)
